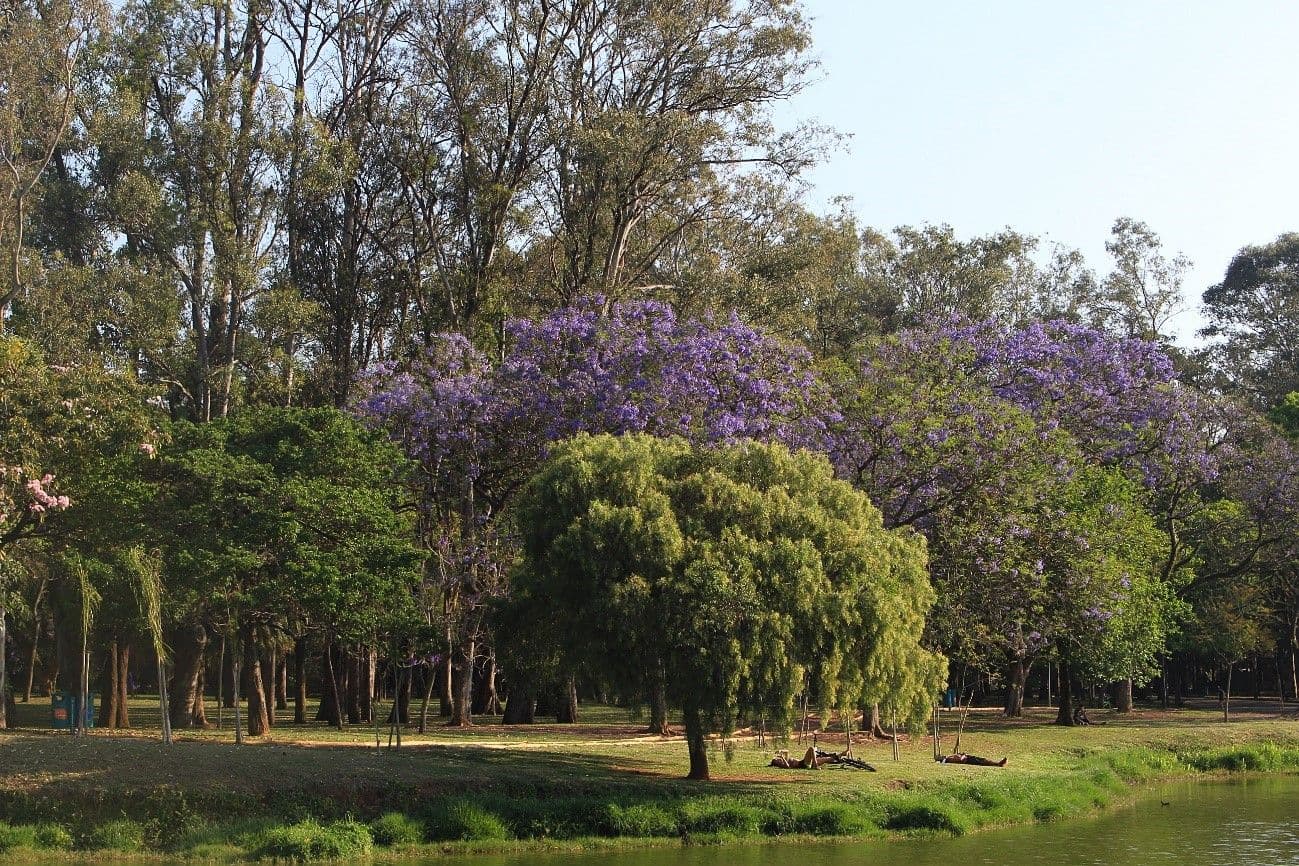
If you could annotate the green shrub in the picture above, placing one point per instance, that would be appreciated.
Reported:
(926, 815)
(12, 838)
(242, 833)
(721, 816)
(828, 819)
(1249, 758)
(121, 835)
(53, 837)
(640, 820)
(465, 821)
(309, 840)
(394, 828)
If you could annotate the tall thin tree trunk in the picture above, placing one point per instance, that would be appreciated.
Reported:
(1294, 666)
(270, 663)
(659, 701)
(430, 680)
(282, 682)
(1226, 698)
(332, 697)
(234, 667)
(31, 666)
(36, 640)
(4, 677)
(445, 696)
(405, 683)
(108, 690)
(365, 688)
(227, 675)
(123, 685)
(493, 700)
(300, 681)
(353, 661)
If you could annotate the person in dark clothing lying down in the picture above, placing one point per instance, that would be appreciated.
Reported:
(963, 758)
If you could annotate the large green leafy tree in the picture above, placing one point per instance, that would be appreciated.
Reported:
(737, 571)
(278, 523)
(1254, 315)
(1106, 608)
(59, 426)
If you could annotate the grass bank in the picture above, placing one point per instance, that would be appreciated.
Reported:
(291, 798)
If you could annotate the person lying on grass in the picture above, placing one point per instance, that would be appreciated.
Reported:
(963, 758)
(811, 760)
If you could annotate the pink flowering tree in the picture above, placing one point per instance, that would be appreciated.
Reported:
(25, 500)
(59, 428)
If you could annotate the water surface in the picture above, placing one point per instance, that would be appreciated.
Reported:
(1248, 822)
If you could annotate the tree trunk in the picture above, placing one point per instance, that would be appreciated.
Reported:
(366, 685)
(332, 701)
(31, 663)
(566, 707)
(1016, 677)
(493, 699)
(353, 688)
(255, 689)
(464, 683)
(696, 743)
(659, 702)
(270, 663)
(4, 668)
(1122, 696)
(485, 702)
(300, 681)
(1280, 681)
(1226, 697)
(282, 682)
(521, 708)
(404, 689)
(185, 699)
(229, 687)
(108, 690)
(1294, 667)
(123, 685)
(1065, 715)
(445, 697)
(430, 680)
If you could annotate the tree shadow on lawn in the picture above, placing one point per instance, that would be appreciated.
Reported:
(47, 764)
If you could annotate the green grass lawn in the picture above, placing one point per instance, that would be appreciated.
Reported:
(490, 786)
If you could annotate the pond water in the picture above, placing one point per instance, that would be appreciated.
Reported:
(1250, 822)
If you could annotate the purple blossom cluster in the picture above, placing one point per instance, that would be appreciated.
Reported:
(633, 367)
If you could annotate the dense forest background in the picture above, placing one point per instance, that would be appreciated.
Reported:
(296, 298)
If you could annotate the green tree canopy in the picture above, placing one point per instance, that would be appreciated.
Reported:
(744, 572)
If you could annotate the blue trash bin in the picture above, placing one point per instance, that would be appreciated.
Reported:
(63, 707)
(60, 710)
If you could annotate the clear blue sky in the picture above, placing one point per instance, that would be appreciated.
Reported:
(1055, 117)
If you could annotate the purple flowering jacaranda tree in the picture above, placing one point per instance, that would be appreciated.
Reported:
(478, 430)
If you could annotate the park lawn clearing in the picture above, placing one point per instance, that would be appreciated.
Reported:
(488, 789)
